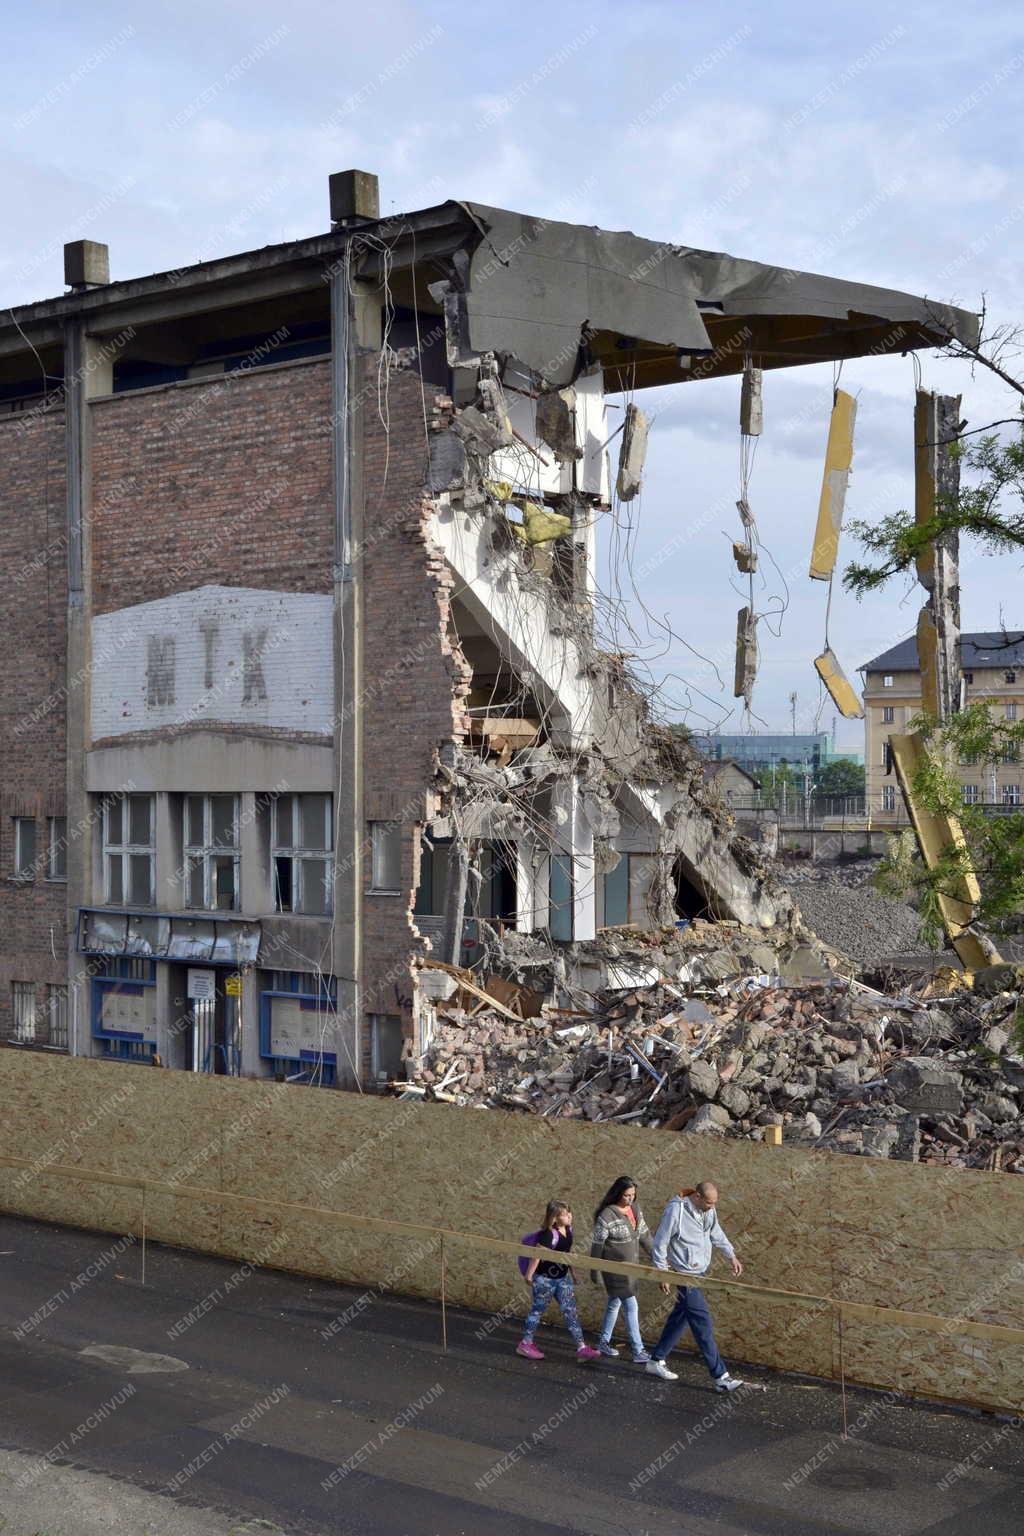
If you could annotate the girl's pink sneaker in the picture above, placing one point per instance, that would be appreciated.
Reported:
(586, 1353)
(529, 1350)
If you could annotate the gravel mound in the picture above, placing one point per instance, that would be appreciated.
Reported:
(853, 917)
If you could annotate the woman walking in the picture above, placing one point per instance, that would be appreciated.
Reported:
(619, 1233)
(550, 1279)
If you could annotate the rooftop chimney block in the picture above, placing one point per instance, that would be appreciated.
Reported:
(355, 196)
(86, 264)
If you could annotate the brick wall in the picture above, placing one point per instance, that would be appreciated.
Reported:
(412, 682)
(226, 482)
(33, 600)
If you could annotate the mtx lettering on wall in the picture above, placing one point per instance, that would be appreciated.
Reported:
(230, 655)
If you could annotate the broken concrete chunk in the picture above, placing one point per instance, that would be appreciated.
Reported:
(926, 1086)
(751, 415)
(838, 458)
(556, 424)
(632, 453)
(735, 1100)
(710, 1117)
(746, 656)
(702, 1080)
(447, 461)
(745, 557)
(481, 432)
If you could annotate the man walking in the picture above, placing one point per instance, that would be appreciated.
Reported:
(688, 1231)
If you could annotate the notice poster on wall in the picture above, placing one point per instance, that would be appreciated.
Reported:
(129, 1012)
(301, 1027)
(202, 986)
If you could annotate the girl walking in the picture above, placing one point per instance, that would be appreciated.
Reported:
(619, 1233)
(550, 1279)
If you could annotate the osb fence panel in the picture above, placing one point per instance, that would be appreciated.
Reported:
(942, 1241)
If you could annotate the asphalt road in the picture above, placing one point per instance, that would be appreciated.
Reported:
(213, 1400)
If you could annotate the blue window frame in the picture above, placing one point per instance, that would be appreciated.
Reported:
(131, 978)
(313, 1066)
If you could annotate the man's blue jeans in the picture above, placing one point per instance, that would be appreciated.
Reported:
(691, 1310)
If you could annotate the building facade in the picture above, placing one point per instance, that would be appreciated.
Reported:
(992, 669)
(301, 691)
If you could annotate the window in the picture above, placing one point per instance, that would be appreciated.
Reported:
(57, 848)
(560, 897)
(1011, 677)
(1010, 752)
(969, 759)
(57, 1007)
(887, 680)
(968, 677)
(1011, 794)
(1010, 711)
(970, 794)
(386, 856)
(128, 850)
(888, 797)
(888, 714)
(25, 847)
(302, 842)
(23, 1000)
(211, 852)
(627, 889)
(386, 1046)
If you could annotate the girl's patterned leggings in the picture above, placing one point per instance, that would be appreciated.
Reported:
(562, 1291)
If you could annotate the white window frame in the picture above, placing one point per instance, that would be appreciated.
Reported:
(57, 1009)
(300, 856)
(888, 714)
(888, 797)
(24, 1010)
(1010, 710)
(971, 794)
(380, 833)
(210, 852)
(1011, 794)
(886, 679)
(56, 847)
(24, 860)
(125, 850)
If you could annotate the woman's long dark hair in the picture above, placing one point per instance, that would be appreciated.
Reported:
(615, 1194)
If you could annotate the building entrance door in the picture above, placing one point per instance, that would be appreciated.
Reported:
(214, 1033)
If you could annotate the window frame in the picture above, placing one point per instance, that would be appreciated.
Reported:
(1010, 710)
(210, 852)
(1010, 794)
(25, 869)
(299, 855)
(126, 850)
(888, 797)
(25, 1034)
(57, 1009)
(377, 829)
(887, 679)
(970, 794)
(888, 714)
(58, 845)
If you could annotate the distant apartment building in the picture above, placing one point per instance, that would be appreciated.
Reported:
(759, 752)
(993, 669)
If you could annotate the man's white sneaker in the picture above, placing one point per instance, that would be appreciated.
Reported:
(726, 1383)
(659, 1368)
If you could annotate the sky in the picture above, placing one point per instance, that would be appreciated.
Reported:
(876, 142)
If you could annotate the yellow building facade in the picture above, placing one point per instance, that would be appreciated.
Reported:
(992, 666)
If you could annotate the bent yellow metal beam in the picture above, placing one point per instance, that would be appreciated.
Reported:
(841, 690)
(936, 832)
(928, 662)
(838, 458)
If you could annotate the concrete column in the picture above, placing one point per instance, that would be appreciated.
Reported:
(936, 484)
(169, 882)
(88, 371)
(574, 836)
(255, 896)
(253, 1064)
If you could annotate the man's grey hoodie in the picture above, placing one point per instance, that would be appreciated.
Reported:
(685, 1237)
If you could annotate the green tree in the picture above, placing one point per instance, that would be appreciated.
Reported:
(840, 777)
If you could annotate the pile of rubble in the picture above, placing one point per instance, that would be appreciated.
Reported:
(708, 1047)
(839, 901)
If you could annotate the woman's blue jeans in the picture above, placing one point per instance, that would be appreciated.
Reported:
(632, 1315)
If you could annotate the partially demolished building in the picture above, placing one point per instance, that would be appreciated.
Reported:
(302, 683)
